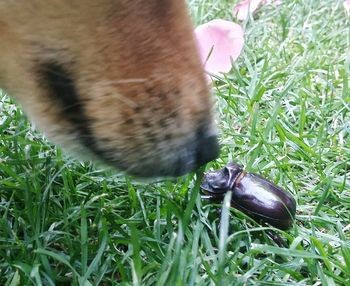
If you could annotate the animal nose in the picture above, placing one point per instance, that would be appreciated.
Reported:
(207, 147)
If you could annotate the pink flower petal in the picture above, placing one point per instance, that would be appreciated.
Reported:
(243, 8)
(347, 6)
(219, 42)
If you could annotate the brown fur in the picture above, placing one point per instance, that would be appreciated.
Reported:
(134, 66)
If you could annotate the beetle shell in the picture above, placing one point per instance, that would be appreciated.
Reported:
(252, 194)
(264, 201)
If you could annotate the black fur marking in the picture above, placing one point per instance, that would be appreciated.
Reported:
(168, 137)
(129, 121)
(137, 108)
(146, 124)
(61, 88)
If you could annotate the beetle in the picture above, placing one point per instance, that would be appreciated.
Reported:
(252, 194)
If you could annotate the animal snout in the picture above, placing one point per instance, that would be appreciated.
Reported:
(200, 151)
(177, 160)
(207, 147)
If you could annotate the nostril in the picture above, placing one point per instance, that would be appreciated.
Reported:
(207, 150)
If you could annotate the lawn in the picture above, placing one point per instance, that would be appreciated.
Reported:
(283, 112)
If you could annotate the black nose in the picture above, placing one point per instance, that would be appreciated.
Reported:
(207, 148)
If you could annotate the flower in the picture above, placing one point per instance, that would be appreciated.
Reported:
(242, 9)
(219, 42)
(347, 6)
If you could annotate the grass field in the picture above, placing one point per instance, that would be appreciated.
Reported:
(283, 112)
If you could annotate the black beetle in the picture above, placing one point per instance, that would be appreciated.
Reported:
(251, 194)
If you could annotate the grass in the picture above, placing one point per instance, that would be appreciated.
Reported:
(283, 112)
